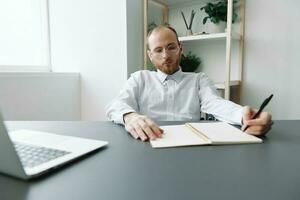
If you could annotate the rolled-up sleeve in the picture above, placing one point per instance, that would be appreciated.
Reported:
(212, 103)
(125, 102)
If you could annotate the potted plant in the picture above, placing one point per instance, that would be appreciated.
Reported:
(189, 62)
(151, 26)
(217, 14)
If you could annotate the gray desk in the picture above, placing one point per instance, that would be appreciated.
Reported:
(130, 169)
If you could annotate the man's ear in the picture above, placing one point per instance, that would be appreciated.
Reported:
(181, 48)
(149, 55)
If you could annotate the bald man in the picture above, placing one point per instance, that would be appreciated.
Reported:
(169, 94)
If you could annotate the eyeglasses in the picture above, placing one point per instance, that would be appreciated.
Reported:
(171, 49)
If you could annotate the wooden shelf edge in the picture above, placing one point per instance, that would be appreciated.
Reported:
(221, 86)
(208, 36)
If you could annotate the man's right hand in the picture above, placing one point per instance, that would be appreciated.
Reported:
(140, 126)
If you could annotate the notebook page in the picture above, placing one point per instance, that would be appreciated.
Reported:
(178, 135)
(223, 133)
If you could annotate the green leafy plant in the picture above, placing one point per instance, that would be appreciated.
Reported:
(218, 11)
(189, 62)
(151, 26)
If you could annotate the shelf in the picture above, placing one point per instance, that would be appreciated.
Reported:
(173, 3)
(221, 86)
(210, 36)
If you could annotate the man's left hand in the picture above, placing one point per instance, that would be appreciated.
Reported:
(259, 126)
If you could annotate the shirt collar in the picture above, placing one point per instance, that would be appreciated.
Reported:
(176, 76)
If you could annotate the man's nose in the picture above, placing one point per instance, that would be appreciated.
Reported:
(165, 53)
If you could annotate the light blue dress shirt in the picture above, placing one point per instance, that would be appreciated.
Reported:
(181, 96)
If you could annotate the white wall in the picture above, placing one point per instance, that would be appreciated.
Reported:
(90, 37)
(272, 50)
(40, 96)
(134, 14)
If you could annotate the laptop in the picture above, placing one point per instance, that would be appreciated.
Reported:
(27, 154)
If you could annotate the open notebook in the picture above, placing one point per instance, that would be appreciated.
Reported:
(212, 133)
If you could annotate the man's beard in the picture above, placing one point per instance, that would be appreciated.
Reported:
(170, 66)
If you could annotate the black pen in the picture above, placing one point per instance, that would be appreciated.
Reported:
(263, 105)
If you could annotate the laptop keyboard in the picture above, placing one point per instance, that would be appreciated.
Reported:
(32, 156)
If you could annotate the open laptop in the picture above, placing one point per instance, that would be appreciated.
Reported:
(26, 154)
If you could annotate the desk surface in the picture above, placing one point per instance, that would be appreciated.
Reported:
(130, 169)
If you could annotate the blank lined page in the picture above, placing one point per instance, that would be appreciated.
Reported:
(223, 133)
(178, 135)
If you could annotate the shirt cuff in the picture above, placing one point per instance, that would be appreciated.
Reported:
(118, 119)
(234, 117)
(237, 117)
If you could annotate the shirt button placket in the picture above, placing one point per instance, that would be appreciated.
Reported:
(172, 99)
(169, 101)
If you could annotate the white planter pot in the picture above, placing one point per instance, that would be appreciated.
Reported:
(216, 28)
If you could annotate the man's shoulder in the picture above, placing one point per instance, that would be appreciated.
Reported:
(142, 73)
(194, 74)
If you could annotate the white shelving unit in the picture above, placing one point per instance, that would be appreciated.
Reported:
(221, 86)
(227, 37)
(212, 36)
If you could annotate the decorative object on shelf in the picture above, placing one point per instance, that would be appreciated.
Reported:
(189, 62)
(217, 14)
(189, 27)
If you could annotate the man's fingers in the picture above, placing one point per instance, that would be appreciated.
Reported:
(257, 122)
(140, 126)
(132, 131)
(248, 113)
(140, 132)
(145, 127)
(264, 119)
(254, 130)
(155, 128)
(134, 134)
(258, 130)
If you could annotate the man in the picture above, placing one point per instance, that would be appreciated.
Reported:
(172, 95)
